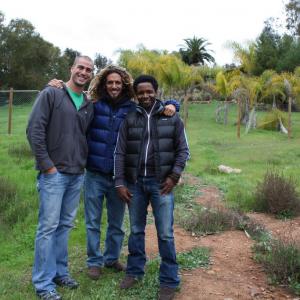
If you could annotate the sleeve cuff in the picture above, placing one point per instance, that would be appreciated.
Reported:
(119, 182)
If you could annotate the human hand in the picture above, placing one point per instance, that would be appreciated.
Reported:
(124, 194)
(167, 186)
(51, 171)
(56, 83)
(169, 110)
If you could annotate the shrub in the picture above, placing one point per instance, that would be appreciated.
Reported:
(208, 220)
(272, 120)
(277, 195)
(281, 260)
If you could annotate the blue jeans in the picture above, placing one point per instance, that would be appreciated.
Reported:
(59, 196)
(147, 189)
(96, 186)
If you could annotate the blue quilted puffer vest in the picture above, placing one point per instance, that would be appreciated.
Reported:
(103, 133)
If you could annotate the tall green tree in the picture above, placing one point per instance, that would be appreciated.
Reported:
(101, 62)
(27, 61)
(195, 52)
(267, 50)
(292, 9)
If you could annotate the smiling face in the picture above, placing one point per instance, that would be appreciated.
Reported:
(81, 72)
(145, 94)
(114, 85)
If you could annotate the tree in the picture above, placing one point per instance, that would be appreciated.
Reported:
(70, 55)
(28, 58)
(224, 88)
(292, 9)
(267, 50)
(101, 62)
(289, 54)
(273, 86)
(245, 56)
(195, 51)
(27, 61)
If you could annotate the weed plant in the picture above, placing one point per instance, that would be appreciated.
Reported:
(196, 258)
(204, 220)
(20, 151)
(277, 194)
(281, 260)
(8, 201)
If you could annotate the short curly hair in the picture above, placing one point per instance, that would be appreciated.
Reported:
(97, 86)
(145, 78)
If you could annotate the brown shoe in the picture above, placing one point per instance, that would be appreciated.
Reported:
(117, 266)
(128, 282)
(166, 293)
(94, 272)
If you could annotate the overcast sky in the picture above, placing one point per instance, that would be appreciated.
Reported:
(104, 26)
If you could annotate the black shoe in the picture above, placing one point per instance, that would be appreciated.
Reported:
(67, 282)
(53, 295)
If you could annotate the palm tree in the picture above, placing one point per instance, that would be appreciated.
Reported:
(245, 55)
(223, 87)
(195, 51)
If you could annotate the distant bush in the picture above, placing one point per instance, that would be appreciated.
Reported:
(277, 194)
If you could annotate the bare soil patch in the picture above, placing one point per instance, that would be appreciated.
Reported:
(233, 274)
(286, 230)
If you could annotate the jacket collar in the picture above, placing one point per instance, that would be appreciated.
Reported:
(158, 108)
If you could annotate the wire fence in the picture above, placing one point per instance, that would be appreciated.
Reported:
(15, 106)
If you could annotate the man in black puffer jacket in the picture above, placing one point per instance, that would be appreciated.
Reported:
(150, 156)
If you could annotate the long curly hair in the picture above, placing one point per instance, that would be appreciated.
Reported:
(97, 89)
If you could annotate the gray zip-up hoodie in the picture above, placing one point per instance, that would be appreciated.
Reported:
(56, 131)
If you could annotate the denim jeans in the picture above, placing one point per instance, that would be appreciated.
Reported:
(147, 189)
(59, 196)
(96, 186)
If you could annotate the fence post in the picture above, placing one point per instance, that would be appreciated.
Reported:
(10, 106)
(239, 119)
(290, 118)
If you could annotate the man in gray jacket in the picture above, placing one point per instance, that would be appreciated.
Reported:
(57, 135)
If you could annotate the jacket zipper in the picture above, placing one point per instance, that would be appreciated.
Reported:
(148, 142)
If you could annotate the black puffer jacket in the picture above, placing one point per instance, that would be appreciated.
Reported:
(150, 144)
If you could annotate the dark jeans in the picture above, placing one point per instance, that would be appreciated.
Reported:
(146, 190)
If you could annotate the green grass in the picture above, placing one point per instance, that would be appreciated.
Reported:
(211, 144)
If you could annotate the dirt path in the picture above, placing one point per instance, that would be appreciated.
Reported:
(233, 273)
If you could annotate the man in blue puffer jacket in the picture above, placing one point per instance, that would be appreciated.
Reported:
(112, 88)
